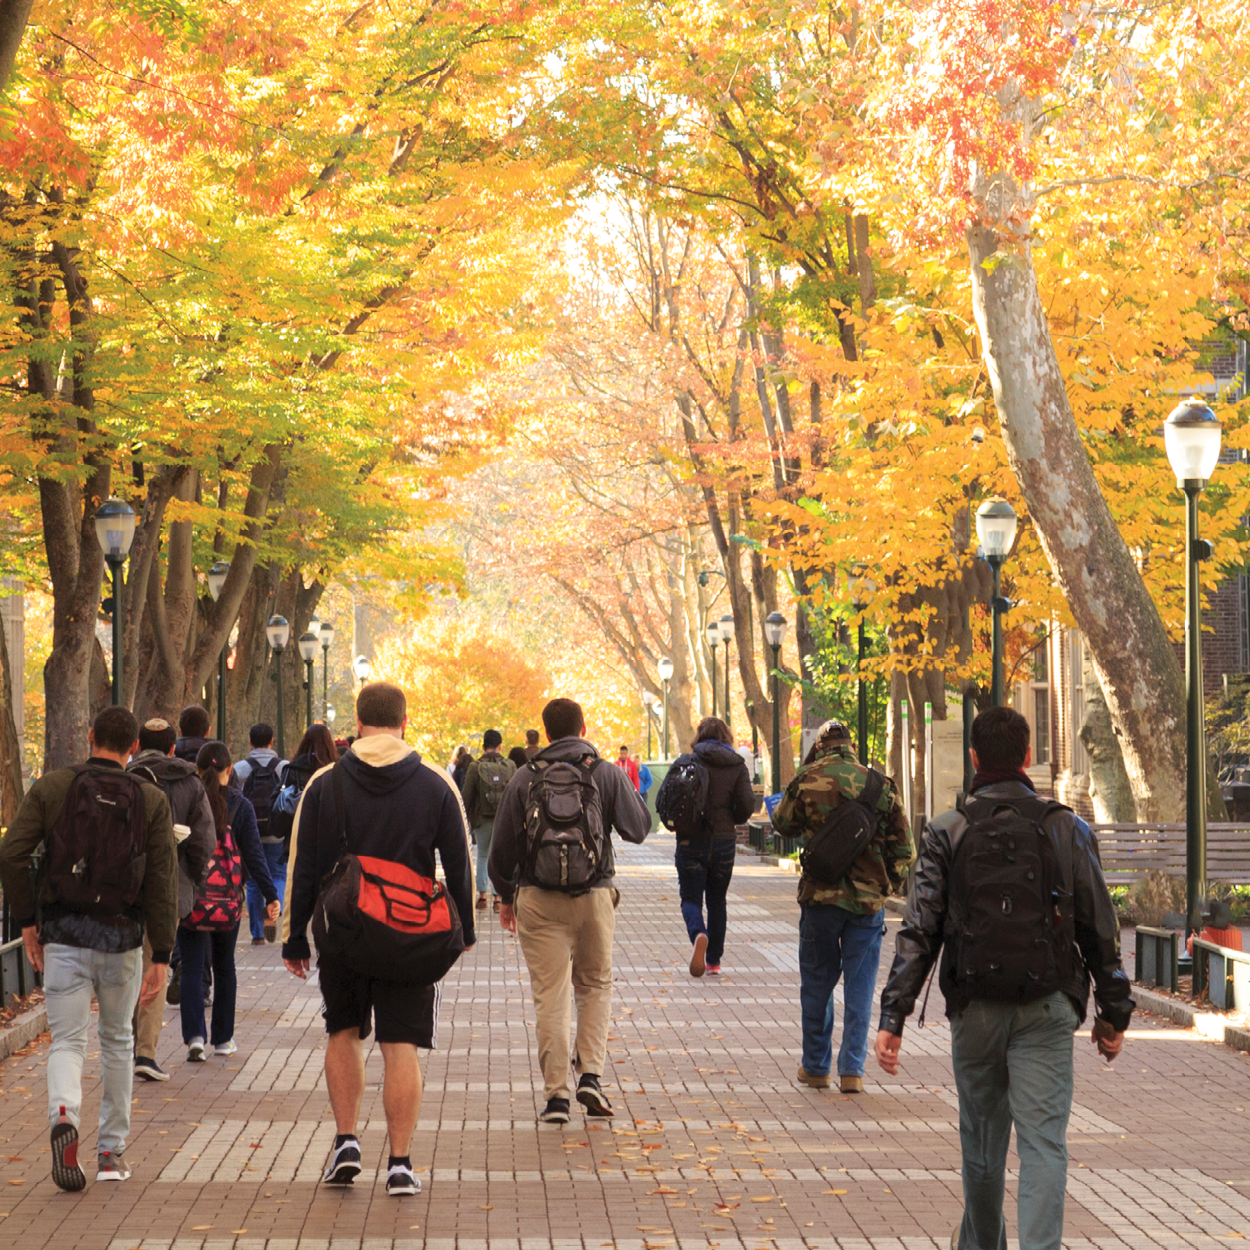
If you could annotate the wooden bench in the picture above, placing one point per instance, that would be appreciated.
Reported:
(1129, 851)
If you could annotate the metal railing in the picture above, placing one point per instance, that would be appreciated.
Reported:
(1157, 958)
(1222, 974)
(17, 977)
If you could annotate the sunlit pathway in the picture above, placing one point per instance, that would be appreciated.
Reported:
(713, 1143)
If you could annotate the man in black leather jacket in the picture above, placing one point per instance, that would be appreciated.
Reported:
(1012, 1060)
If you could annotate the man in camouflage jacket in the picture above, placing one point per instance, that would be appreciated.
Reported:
(842, 922)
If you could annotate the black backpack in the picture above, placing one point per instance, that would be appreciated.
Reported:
(96, 858)
(682, 801)
(285, 804)
(567, 847)
(844, 837)
(261, 788)
(1009, 933)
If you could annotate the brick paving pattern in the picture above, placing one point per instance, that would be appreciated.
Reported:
(713, 1144)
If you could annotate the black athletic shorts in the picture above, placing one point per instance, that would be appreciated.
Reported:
(402, 1013)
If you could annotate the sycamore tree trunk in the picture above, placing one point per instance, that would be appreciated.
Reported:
(14, 14)
(10, 748)
(1141, 677)
(1109, 788)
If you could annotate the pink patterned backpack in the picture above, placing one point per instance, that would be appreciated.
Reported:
(219, 903)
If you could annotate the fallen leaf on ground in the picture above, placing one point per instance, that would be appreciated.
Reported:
(486, 1208)
(765, 1198)
(835, 1191)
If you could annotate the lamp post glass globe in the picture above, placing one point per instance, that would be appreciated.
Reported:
(278, 632)
(314, 627)
(217, 579)
(665, 669)
(308, 644)
(327, 635)
(362, 668)
(1191, 435)
(115, 528)
(860, 587)
(996, 528)
(712, 630)
(775, 629)
(727, 628)
(331, 714)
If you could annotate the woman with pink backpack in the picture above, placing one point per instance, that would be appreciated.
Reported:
(212, 927)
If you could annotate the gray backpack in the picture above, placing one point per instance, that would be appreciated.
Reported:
(567, 847)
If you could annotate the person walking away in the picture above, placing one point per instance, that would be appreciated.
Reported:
(316, 750)
(484, 786)
(706, 794)
(193, 725)
(196, 836)
(459, 766)
(1001, 868)
(260, 776)
(390, 807)
(552, 867)
(211, 930)
(842, 909)
(626, 761)
(99, 896)
(532, 743)
(645, 780)
(518, 756)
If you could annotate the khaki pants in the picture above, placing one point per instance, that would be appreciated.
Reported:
(148, 1020)
(568, 942)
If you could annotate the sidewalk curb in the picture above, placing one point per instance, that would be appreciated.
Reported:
(1208, 1023)
(23, 1031)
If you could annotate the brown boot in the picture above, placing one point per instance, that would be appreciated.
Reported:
(481, 902)
(815, 1082)
(851, 1084)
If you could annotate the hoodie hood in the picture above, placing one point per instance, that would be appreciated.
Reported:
(717, 754)
(381, 764)
(165, 768)
(569, 750)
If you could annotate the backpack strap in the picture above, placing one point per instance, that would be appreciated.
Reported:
(870, 795)
(340, 803)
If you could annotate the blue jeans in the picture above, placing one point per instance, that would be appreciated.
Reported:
(70, 973)
(705, 872)
(218, 945)
(833, 940)
(482, 835)
(255, 899)
(1013, 1065)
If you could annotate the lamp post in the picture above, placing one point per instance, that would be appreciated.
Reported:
(755, 743)
(115, 531)
(996, 530)
(331, 715)
(727, 636)
(774, 632)
(648, 702)
(861, 589)
(327, 640)
(308, 644)
(216, 581)
(665, 669)
(278, 632)
(712, 631)
(1191, 435)
(362, 668)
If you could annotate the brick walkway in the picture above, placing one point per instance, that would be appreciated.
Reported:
(713, 1144)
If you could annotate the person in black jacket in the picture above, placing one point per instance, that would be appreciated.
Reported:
(1012, 1059)
(705, 865)
(402, 810)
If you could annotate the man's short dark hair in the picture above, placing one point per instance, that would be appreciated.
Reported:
(192, 722)
(115, 729)
(381, 706)
(531, 737)
(1000, 737)
(260, 735)
(491, 739)
(157, 735)
(563, 718)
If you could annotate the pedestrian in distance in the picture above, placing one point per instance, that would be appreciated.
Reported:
(518, 756)
(196, 835)
(210, 931)
(645, 780)
(532, 743)
(1009, 890)
(317, 750)
(704, 796)
(552, 866)
(629, 764)
(99, 896)
(857, 850)
(260, 777)
(193, 725)
(382, 810)
(484, 786)
(459, 766)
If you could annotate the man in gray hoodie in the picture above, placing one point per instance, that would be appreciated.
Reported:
(551, 865)
(196, 833)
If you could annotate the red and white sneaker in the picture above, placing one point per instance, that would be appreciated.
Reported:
(65, 1170)
(713, 970)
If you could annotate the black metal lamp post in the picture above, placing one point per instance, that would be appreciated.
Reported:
(1191, 435)
(727, 629)
(648, 702)
(278, 633)
(115, 529)
(861, 589)
(308, 644)
(712, 631)
(665, 670)
(996, 530)
(327, 641)
(216, 581)
(774, 632)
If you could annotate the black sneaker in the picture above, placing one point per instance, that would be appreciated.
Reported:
(173, 991)
(592, 1097)
(344, 1163)
(65, 1170)
(555, 1112)
(401, 1181)
(150, 1070)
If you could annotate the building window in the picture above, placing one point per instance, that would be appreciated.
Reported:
(1041, 660)
(1041, 725)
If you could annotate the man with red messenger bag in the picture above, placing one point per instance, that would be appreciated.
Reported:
(362, 872)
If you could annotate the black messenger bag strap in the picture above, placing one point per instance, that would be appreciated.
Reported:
(340, 804)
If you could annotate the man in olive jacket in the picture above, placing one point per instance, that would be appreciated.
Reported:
(81, 953)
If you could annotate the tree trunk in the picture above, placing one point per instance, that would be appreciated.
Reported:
(1142, 679)
(1109, 787)
(10, 747)
(14, 15)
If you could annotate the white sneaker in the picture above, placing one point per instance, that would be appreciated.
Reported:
(195, 1050)
(226, 1048)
